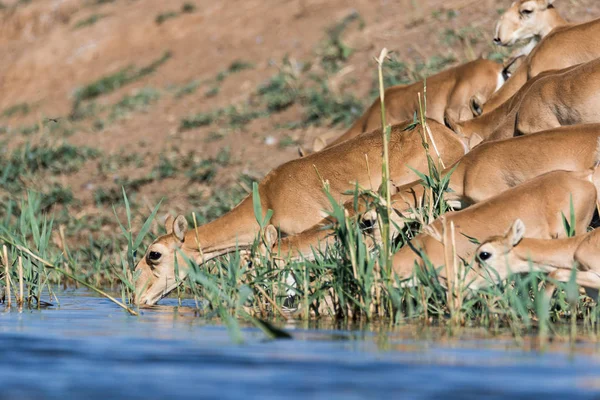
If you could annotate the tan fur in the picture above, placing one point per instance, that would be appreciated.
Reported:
(484, 172)
(540, 203)
(511, 253)
(564, 47)
(527, 20)
(294, 191)
(448, 91)
(491, 168)
(567, 98)
(550, 100)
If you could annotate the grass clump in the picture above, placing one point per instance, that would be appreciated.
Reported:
(324, 107)
(196, 121)
(278, 93)
(18, 109)
(333, 51)
(134, 102)
(162, 17)
(31, 159)
(89, 21)
(187, 89)
(186, 8)
(112, 82)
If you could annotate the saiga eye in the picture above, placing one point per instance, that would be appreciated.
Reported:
(154, 256)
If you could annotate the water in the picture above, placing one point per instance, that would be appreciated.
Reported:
(88, 348)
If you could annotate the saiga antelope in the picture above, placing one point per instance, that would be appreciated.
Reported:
(527, 20)
(447, 92)
(294, 191)
(540, 203)
(486, 171)
(513, 253)
(551, 100)
(563, 47)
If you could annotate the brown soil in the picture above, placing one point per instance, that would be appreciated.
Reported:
(44, 59)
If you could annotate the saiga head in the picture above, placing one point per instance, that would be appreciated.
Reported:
(157, 268)
(525, 19)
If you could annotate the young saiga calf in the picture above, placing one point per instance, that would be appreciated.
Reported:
(513, 253)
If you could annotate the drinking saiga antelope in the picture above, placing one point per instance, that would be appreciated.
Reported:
(294, 191)
(486, 171)
(502, 255)
(540, 203)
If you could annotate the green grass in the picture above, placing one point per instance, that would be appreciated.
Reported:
(187, 89)
(186, 8)
(137, 101)
(89, 21)
(18, 109)
(162, 17)
(115, 81)
(333, 51)
(30, 159)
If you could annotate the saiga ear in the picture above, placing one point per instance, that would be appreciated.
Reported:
(516, 232)
(169, 219)
(476, 106)
(271, 236)
(180, 227)
(319, 144)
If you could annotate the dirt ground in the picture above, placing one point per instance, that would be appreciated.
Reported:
(50, 48)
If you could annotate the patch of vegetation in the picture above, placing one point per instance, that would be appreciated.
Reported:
(232, 116)
(160, 18)
(112, 82)
(187, 89)
(212, 92)
(333, 51)
(20, 109)
(89, 21)
(287, 141)
(214, 136)
(28, 129)
(115, 162)
(279, 92)
(324, 107)
(30, 159)
(134, 102)
(56, 195)
(196, 121)
(186, 8)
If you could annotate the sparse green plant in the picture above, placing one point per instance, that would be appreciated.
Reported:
(18, 109)
(334, 51)
(112, 82)
(187, 89)
(89, 21)
(188, 8)
(196, 121)
(139, 100)
(212, 92)
(162, 17)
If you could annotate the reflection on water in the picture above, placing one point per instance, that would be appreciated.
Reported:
(88, 348)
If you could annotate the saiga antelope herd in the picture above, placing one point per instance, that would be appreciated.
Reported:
(523, 151)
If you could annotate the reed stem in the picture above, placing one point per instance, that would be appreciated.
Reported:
(6, 275)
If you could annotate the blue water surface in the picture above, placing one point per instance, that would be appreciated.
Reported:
(89, 349)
